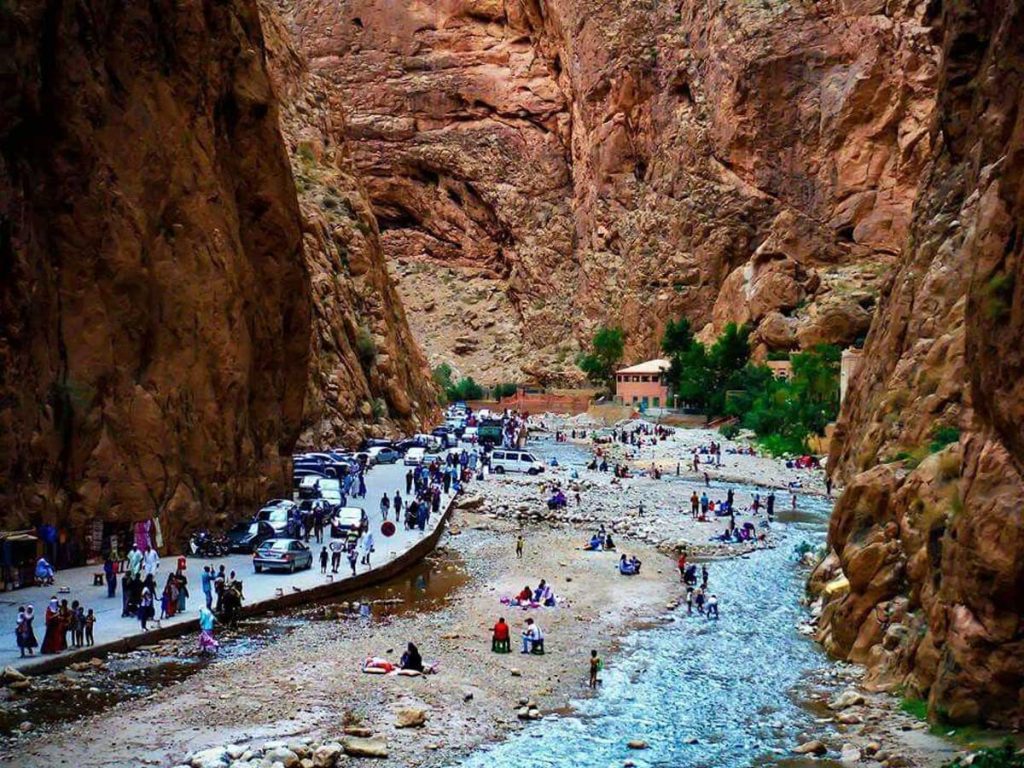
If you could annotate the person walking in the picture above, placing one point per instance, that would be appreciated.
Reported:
(150, 561)
(323, 559)
(146, 611)
(595, 667)
(367, 548)
(207, 644)
(110, 575)
(408, 483)
(336, 547)
(519, 546)
(353, 556)
(24, 633)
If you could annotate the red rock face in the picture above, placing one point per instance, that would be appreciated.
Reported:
(940, 610)
(367, 375)
(154, 302)
(541, 168)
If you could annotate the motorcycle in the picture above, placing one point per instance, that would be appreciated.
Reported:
(204, 544)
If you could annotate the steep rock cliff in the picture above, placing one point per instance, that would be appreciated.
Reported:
(931, 537)
(539, 168)
(154, 303)
(367, 374)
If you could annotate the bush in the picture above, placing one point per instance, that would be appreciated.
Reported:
(943, 435)
(1005, 756)
(505, 390)
(380, 407)
(729, 431)
(365, 346)
(915, 707)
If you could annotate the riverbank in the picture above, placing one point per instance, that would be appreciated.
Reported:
(308, 684)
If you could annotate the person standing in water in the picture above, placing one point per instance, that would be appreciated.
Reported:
(595, 667)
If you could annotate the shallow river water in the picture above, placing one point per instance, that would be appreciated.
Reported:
(700, 693)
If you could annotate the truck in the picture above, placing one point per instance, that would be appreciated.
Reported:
(490, 431)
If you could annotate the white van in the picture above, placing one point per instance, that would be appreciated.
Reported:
(414, 456)
(505, 460)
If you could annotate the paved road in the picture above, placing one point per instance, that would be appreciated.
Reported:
(110, 626)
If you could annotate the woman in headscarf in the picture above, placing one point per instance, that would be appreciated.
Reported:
(169, 598)
(206, 621)
(411, 659)
(145, 607)
(52, 638)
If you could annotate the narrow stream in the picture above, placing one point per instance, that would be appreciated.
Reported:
(700, 693)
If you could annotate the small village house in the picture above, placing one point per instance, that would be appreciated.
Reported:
(643, 385)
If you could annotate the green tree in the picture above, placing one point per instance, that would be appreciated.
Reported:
(675, 342)
(606, 352)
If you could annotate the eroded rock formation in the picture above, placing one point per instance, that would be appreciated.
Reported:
(367, 374)
(159, 350)
(930, 537)
(539, 168)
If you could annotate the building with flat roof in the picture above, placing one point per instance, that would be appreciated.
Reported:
(643, 384)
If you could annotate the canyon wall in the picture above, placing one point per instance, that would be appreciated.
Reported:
(930, 535)
(367, 375)
(540, 168)
(173, 316)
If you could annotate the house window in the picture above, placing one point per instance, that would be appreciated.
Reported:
(634, 399)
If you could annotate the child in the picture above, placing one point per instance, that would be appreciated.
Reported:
(595, 667)
(90, 620)
(80, 624)
(72, 625)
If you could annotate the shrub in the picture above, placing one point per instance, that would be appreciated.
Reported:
(1005, 756)
(915, 707)
(365, 346)
(943, 435)
(729, 431)
(380, 407)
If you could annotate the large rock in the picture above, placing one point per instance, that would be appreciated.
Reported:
(410, 717)
(355, 746)
(326, 755)
(215, 757)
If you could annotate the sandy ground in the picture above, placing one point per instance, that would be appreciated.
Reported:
(309, 683)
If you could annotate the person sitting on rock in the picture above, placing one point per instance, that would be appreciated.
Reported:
(533, 639)
(595, 544)
(500, 641)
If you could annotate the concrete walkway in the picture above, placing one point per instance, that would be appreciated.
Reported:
(261, 589)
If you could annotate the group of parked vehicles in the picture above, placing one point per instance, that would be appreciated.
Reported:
(272, 535)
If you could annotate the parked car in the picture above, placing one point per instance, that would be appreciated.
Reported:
(277, 517)
(414, 456)
(287, 554)
(470, 435)
(348, 519)
(247, 535)
(382, 455)
(410, 442)
(326, 488)
(375, 442)
(503, 460)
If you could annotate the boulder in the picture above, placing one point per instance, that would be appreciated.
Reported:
(849, 754)
(813, 747)
(215, 757)
(410, 717)
(326, 756)
(637, 744)
(355, 746)
(10, 674)
(846, 699)
(282, 755)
